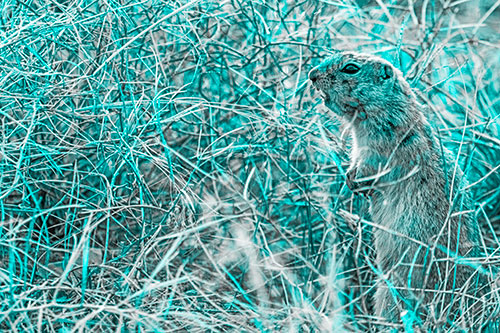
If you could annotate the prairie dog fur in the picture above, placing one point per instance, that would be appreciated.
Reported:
(426, 230)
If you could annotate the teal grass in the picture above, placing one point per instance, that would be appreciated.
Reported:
(165, 166)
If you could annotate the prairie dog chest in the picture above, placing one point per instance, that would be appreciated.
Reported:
(367, 155)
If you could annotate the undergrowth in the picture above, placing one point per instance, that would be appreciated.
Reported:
(166, 166)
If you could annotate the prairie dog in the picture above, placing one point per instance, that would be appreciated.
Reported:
(426, 235)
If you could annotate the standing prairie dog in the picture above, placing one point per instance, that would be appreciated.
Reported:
(426, 236)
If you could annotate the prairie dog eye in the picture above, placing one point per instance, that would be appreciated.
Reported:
(350, 69)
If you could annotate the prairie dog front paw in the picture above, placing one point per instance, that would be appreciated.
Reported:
(350, 176)
(355, 182)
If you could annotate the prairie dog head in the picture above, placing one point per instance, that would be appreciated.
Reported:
(360, 86)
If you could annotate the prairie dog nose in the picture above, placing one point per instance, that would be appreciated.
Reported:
(314, 74)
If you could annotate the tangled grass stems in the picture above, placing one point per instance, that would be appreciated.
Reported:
(165, 166)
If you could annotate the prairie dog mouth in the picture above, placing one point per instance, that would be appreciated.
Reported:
(325, 96)
(322, 93)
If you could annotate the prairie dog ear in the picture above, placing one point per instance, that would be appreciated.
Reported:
(386, 71)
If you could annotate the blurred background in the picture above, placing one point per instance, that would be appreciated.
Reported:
(166, 166)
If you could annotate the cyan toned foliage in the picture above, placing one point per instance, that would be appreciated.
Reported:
(166, 166)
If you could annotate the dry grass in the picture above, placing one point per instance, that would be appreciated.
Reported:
(165, 167)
